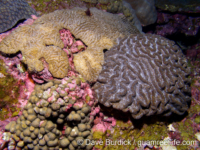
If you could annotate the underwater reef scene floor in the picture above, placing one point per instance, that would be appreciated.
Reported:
(41, 111)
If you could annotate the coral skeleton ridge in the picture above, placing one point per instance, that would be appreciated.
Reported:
(145, 75)
(42, 40)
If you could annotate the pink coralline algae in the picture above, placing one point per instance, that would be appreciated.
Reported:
(181, 23)
(70, 42)
(101, 122)
(15, 68)
(193, 52)
(195, 91)
(71, 46)
(76, 89)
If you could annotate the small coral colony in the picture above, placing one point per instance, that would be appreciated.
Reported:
(77, 77)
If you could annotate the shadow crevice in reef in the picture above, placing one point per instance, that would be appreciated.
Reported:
(138, 123)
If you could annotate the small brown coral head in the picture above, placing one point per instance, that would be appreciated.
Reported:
(145, 75)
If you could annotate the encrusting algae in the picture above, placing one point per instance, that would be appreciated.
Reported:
(9, 92)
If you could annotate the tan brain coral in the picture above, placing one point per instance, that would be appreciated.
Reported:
(42, 40)
(84, 61)
(35, 43)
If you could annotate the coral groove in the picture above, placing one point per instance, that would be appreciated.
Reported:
(12, 11)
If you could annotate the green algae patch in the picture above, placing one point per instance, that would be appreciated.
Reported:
(125, 136)
(197, 119)
(152, 132)
(9, 92)
(187, 128)
(99, 139)
(15, 113)
(194, 108)
(187, 133)
(87, 98)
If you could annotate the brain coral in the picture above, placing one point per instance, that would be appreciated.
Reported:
(98, 31)
(37, 42)
(146, 75)
(11, 11)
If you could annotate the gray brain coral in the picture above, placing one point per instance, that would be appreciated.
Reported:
(98, 31)
(11, 11)
(145, 75)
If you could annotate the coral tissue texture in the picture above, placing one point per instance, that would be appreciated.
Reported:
(36, 42)
(11, 11)
(146, 75)
(98, 31)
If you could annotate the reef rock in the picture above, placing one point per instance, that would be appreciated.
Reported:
(137, 12)
(145, 11)
(12, 11)
(97, 29)
(191, 6)
(145, 75)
